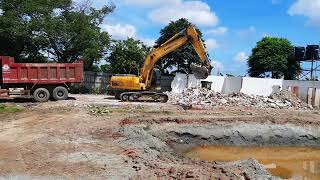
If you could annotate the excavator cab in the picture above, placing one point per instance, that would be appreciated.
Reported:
(156, 79)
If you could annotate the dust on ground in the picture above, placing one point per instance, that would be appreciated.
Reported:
(98, 137)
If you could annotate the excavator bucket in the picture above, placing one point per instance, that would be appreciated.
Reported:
(200, 72)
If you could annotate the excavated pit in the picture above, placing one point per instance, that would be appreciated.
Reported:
(173, 140)
(284, 162)
(244, 134)
(287, 151)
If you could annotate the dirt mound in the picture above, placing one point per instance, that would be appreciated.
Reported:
(202, 96)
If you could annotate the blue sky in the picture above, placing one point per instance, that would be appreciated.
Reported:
(231, 27)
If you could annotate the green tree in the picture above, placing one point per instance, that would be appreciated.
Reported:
(58, 30)
(126, 57)
(184, 56)
(18, 25)
(293, 68)
(273, 56)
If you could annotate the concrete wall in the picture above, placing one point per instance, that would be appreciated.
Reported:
(303, 87)
(183, 81)
(231, 85)
(217, 83)
(193, 82)
(179, 83)
(97, 81)
(260, 86)
(307, 91)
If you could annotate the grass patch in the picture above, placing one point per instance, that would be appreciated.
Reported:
(158, 112)
(101, 111)
(106, 110)
(10, 109)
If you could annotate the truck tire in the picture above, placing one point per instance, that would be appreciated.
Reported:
(124, 97)
(41, 95)
(60, 93)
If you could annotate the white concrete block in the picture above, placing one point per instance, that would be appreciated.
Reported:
(193, 82)
(260, 86)
(317, 100)
(217, 83)
(290, 89)
(179, 83)
(303, 87)
(310, 96)
(232, 85)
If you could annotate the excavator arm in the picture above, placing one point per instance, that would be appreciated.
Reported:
(189, 35)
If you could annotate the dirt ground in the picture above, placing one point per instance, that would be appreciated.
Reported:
(97, 137)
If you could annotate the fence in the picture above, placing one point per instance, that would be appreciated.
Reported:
(98, 82)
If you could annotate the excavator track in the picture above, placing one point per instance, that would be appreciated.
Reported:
(144, 96)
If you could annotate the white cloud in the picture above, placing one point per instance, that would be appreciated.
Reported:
(124, 31)
(218, 31)
(148, 42)
(241, 57)
(120, 31)
(197, 12)
(212, 44)
(151, 3)
(307, 8)
(217, 65)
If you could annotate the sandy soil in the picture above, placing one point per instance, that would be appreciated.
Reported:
(72, 140)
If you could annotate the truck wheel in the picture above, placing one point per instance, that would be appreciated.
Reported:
(60, 93)
(124, 97)
(41, 95)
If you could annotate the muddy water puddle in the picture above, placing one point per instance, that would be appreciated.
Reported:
(284, 162)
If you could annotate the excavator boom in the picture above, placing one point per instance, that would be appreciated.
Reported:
(201, 70)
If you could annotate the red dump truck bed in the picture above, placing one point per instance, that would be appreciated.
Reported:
(40, 73)
(40, 81)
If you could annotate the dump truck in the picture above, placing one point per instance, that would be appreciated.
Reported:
(40, 81)
(143, 87)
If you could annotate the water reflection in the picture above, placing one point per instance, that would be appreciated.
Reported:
(286, 162)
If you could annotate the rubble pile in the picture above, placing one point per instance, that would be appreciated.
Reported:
(202, 96)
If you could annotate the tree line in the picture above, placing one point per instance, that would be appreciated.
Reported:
(62, 31)
(59, 30)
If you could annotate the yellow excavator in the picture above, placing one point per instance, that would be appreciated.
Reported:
(143, 87)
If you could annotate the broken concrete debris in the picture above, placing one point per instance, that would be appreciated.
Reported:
(203, 96)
